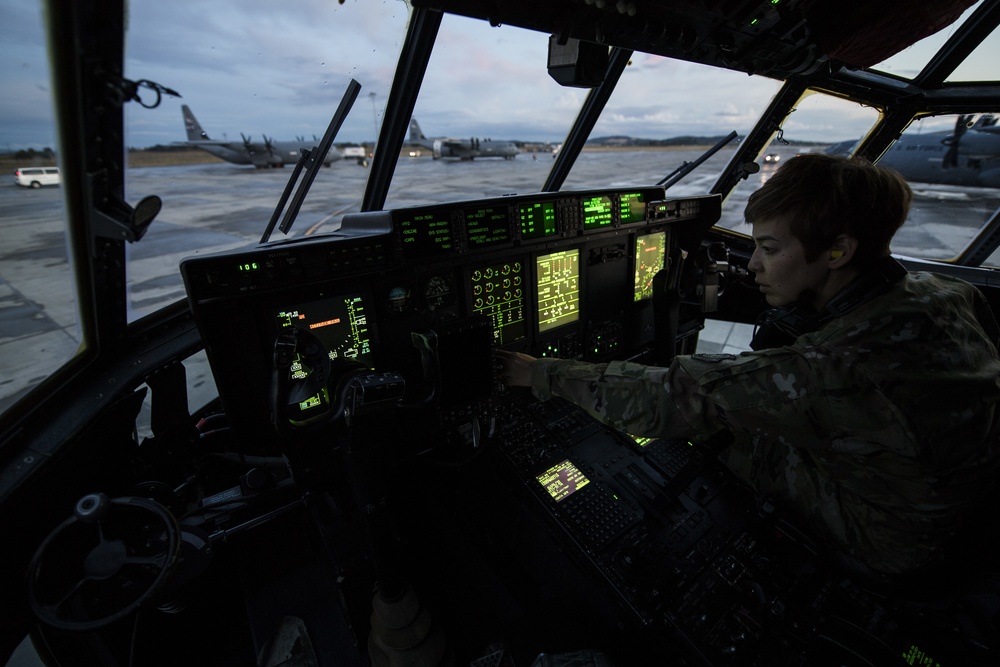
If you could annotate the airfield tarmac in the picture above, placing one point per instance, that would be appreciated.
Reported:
(218, 206)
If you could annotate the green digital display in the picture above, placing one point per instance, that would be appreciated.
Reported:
(247, 267)
(425, 234)
(562, 480)
(498, 293)
(486, 226)
(597, 212)
(650, 253)
(557, 288)
(631, 208)
(537, 220)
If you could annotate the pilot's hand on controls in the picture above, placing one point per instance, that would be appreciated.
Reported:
(516, 368)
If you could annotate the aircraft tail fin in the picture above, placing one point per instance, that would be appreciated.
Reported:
(191, 125)
(416, 134)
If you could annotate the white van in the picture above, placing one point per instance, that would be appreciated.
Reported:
(36, 177)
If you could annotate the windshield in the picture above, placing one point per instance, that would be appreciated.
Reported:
(257, 82)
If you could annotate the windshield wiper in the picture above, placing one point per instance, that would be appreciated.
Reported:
(686, 168)
(312, 160)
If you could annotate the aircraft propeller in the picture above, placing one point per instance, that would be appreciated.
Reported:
(247, 145)
(962, 125)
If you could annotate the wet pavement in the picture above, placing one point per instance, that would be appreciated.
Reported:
(218, 206)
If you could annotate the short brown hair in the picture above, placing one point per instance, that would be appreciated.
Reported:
(824, 196)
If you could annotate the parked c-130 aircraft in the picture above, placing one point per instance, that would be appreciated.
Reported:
(967, 156)
(302, 454)
(464, 149)
(269, 153)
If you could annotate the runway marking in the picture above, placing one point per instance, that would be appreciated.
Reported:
(324, 220)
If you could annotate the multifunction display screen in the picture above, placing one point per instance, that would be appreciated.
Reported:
(558, 288)
(597, 212)
(562, 480)
(631, 208)
(486, 226)
(537, 220)
(650, 253)
(340, 324)
(498, 293)
(423, 234)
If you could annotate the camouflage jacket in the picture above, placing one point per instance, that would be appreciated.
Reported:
(880, 429)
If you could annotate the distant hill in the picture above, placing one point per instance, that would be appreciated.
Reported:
(636, 141)
(687, 140)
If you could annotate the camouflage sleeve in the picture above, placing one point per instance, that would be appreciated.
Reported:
(773, 394)
(635, 398)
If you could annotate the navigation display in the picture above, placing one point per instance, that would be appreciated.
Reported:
(425, 234)
(631, 208)
(498, 293)
(340, 323)
(650, 253)
(486, 226)
(562, 480)
(558, 288)
(597, 212)
(537, 220)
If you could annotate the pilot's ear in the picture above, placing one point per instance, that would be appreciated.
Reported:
(842, 251)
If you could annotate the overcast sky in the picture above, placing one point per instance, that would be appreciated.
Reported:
(280, 68)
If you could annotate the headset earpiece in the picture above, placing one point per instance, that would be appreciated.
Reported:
(836, 254)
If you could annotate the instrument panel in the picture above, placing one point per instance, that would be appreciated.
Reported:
(566, 274)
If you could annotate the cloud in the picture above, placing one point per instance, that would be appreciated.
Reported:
(257, 66)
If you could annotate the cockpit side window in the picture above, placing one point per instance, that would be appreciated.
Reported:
(818, 123)
(39, 325)
(953, 165)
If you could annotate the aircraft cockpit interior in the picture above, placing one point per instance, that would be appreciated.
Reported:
(364, 488)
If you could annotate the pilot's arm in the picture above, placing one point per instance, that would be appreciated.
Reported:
(629, 396)
(771, 394)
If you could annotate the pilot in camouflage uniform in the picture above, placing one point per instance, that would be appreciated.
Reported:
(878, 424)
(881, 427)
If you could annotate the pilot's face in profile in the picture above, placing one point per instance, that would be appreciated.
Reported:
(779, 264)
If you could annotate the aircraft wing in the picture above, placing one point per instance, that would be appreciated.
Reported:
(209, 142)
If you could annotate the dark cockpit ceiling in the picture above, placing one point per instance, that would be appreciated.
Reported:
(774, 38)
